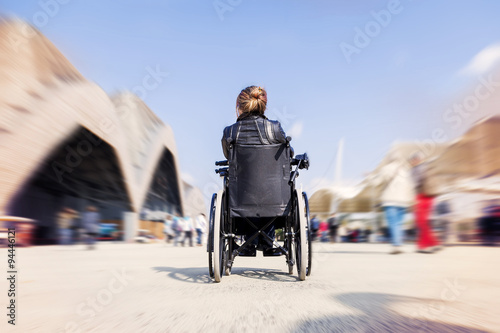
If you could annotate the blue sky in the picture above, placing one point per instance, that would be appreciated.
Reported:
(395, 88)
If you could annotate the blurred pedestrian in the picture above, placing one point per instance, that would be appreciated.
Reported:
(323, 231)
(443, 213)
(333, 226)
(342, 231)
(353, 236)
(75, 227)
(64, 225)
(168, 230)
(368, 235)
(489, 225)
(177, 227)
(200, 226)
(187, 228)
(426, 242)
(90, 222)
(397, 195)
(314, 227)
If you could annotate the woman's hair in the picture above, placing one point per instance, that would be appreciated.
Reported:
(252, 99)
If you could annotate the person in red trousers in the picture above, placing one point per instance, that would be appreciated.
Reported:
(427, 242)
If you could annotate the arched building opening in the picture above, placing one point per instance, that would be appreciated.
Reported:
(163, 194)
(83, 170)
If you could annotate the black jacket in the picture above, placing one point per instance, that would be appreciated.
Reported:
(253, 129)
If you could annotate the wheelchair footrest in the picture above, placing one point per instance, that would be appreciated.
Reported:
(272, 252)
(248, 252)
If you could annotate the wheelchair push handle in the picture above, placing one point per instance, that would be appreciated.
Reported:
(223, 172)
(302, 162)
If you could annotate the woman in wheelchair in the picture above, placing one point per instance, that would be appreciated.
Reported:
(253, 128)
(259, 192)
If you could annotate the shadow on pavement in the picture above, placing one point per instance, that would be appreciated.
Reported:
(377, 316)
(264, 274)
(191, 274)
(200, 274)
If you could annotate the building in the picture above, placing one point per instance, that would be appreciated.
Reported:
(65, 143)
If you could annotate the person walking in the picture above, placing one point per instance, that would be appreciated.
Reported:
(178, 227)
(443, 212)
(64, 225)
(314, 226)
(342, 231)
(333, 226)
(200, 226)
(397, 195)
(187, 228)
(168, 230)
(90, 222)
(323, 231)
(75, 227)
(426, 242)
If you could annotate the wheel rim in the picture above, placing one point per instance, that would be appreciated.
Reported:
(308, 232)
(289, 247)
(218, 239)
(210, 240)
(301, 238)
(296, 231)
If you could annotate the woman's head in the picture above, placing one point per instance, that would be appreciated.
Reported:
(252, 99)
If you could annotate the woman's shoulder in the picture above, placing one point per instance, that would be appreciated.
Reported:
(228, 129)
(277, 129)
(275, 122)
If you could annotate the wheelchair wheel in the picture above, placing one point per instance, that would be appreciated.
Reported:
(219, 241)
(210, 238)
(301, 247)
(309, 238)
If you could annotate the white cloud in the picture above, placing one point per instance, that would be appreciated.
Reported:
(482, 62)
(296, 131)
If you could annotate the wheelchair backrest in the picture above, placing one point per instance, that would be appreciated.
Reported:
(258, 180)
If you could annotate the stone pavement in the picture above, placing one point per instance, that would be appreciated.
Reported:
(160, 288)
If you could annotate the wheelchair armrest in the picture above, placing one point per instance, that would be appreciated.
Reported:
(302, 161)
(222, 171)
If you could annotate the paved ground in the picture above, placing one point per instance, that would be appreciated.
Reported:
(160, 288)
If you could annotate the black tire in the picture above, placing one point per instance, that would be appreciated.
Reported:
(301, 247)
(210, 238)
(219, 241)
(289, 247)
(309, 238)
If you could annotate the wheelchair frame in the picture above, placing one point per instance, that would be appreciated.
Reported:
(296, 230)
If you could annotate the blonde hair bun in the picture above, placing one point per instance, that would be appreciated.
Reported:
(252, 99)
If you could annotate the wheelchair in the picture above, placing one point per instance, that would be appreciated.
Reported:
(259, 193)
